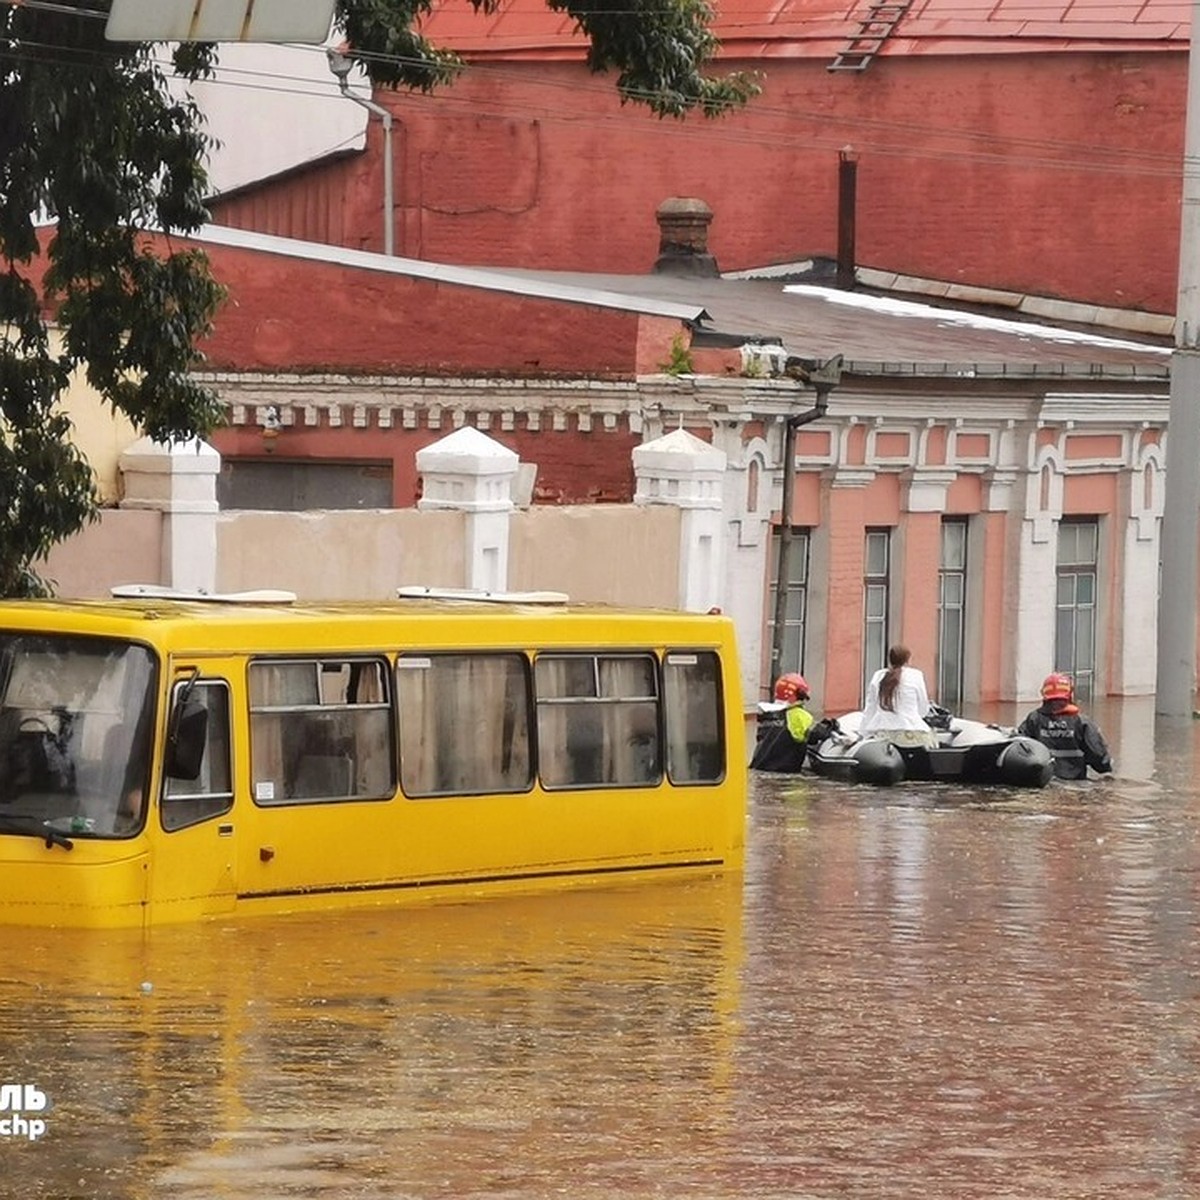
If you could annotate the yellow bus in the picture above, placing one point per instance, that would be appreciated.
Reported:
(168, 758)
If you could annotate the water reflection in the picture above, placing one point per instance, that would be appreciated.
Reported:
(922, 991)
(458, 1051)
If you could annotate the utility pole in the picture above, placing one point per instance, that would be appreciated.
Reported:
(822, 378)
(1179, 546)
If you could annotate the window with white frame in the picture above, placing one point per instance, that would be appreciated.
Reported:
(952, 611)
(876, 601)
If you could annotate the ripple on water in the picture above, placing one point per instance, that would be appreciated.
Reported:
(909, 993)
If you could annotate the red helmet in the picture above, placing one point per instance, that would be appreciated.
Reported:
(1058, 687)
(790, 688)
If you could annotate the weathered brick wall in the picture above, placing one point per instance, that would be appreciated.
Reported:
(580, 434)
(1053, 173)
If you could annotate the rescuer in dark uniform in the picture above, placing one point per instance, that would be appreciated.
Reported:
(783, 727)
(1072, 738)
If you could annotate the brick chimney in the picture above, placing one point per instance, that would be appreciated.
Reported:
(683, 238)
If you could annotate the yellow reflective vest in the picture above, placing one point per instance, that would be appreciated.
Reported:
(799, 722)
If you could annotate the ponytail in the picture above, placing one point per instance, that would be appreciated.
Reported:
(898, 656)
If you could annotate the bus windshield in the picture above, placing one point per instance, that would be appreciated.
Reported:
(76, 716)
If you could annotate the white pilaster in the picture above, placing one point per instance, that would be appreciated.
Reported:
(1137, 641)
(178, 479)
(1033, 585)
(473, 473)
(749, 499)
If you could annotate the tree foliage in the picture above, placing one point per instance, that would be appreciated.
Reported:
(659, 49)
(92, 136)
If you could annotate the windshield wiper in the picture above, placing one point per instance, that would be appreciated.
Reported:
(31, 827)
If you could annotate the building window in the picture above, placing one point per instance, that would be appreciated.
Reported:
(280, 485)
(752, 477)
(876, 597)
(1075, 617)
(796, 613)
(952, 611)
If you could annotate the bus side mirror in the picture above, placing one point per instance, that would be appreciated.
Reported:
(186, 739)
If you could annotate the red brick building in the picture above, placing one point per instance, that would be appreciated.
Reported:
(1035, 148)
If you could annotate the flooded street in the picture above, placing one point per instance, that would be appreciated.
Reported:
(917, 992)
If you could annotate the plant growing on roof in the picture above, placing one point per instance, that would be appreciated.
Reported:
(680, 360)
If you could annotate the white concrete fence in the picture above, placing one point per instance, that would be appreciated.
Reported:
(674, 547)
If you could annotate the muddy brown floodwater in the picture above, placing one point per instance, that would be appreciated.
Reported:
(919, 992)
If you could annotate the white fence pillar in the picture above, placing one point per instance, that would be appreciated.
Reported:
(178, 479)
(473, 473)
(681, 470)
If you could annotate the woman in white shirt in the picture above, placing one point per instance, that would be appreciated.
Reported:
(897, 703)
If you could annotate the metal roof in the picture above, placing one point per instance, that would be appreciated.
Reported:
(883, 334)
(528, 29)
(875, 333)
(542, 287)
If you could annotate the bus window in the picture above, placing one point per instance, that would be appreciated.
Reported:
(189, 801)
(75, 721)
(464, 723)
(692, 694)
(597, 720)
(320, 729)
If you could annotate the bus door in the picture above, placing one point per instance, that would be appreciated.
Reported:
(194, 842)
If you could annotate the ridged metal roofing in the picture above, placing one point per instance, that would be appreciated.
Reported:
(544, 287)
(528, 29)
(820, 321)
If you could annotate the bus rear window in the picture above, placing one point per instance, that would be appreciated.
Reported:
(695, 737)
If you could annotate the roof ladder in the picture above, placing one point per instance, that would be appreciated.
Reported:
(874, 29)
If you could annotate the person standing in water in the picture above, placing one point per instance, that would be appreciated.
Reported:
(897, 702)
(1074, 740)
(783, 727)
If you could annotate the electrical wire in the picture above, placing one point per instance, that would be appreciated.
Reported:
(1001, 11)
(832, 130)
(868, 135)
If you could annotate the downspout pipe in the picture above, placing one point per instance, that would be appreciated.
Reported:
(823, 378)
(340, 65)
